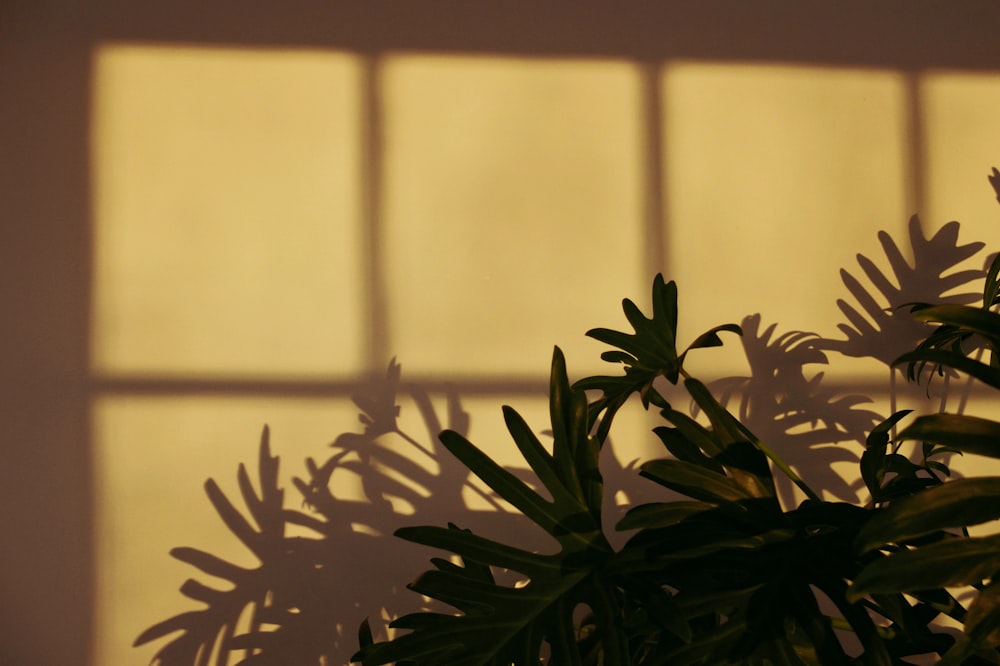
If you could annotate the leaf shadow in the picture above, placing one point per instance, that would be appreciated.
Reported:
(325, 565)
(804, 414)
(793, 411)
(878, 323)
(327, 559)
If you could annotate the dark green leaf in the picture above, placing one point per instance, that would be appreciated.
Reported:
(480, 549)
(694, 481)
(947, 358)
(967, 318)
(969, 434)
(660, 514)
(956, 561)
(365, 634)
(991, 286)
(711, 337)
(745, 462)
(983, 621)
(958, 503)
(501, 481)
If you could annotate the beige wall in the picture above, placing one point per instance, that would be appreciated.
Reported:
(216, 217)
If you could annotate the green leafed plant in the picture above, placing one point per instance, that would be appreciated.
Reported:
(925, 535)
(723, 572)
(721, 569)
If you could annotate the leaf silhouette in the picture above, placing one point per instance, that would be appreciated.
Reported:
(647, 354)
(777, 397)
(290, 607)
(211, 629)
(504, 624)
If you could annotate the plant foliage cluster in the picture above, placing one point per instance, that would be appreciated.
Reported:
(719, 571)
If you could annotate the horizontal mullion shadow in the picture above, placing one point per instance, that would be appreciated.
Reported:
(311, 388)
(337, 388)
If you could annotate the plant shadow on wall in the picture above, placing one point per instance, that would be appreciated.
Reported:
(332, 561)
(718, 563)
(781, 401)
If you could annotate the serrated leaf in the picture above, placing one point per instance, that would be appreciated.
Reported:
(648, 353)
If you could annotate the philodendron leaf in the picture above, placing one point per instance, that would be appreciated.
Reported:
(955, 504)
(474, 548)
(744, 460)
(660, 514)
(991, 286)
(723, 602)
(956, 655)
(952, 359)
(982, 627)
(689, 440)
(710, 338)
(965, 317)
(653, 346)
(694, 481)
(961, 432)
(365, 634)
(497, 624)
(983, 622)
(957, 561)
(506, 484)
(708, 645)
(648, 353)
(873, 460)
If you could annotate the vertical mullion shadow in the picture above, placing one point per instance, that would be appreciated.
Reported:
(374, 295)
(915, 158)
(655, 222)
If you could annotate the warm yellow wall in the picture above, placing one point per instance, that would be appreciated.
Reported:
(244, 199)
(193, 242)
(227, 199)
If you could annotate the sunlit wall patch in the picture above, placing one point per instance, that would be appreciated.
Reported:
(963, 144)
(513, 206)
(227, 212)
(775, 177)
